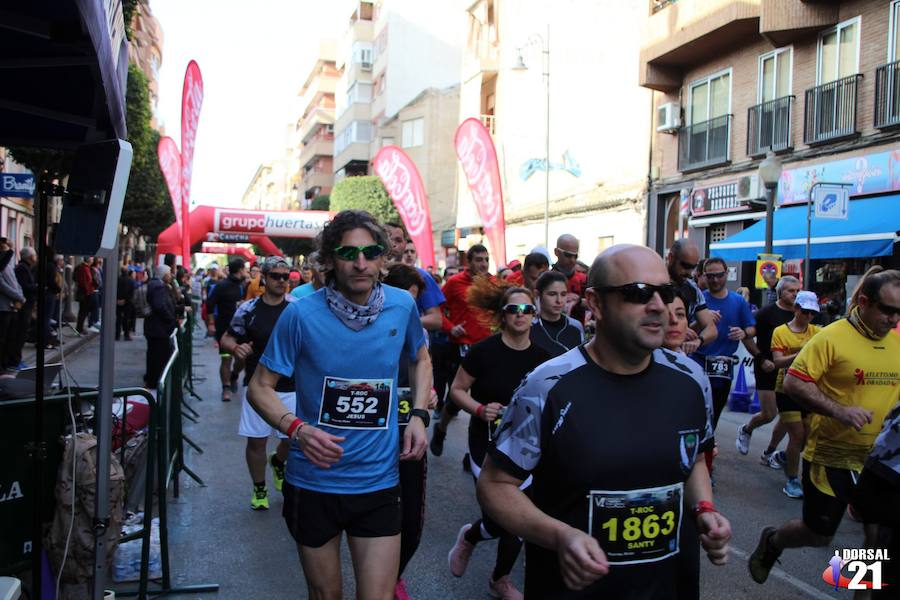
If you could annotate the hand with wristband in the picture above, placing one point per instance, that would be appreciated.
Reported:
(488, 412)
(715, 532)
(319, 447)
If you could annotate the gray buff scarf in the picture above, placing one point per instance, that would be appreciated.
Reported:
(353, 315)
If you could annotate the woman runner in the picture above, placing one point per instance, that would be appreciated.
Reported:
(484, 385)
(553, 331)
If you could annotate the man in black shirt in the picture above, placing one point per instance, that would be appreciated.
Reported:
(682, 259)
(610, 431)
(246, 338)
(767, 319)
(221, 304)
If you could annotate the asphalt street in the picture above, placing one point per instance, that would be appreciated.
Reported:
(216, 537)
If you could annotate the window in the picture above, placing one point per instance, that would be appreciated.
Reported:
(710, 98)
(839, 52)
(775, 74)
(362, 52)
(359, 92)
(893, 37)
(356, 131)
(716, 233)
(413, 133)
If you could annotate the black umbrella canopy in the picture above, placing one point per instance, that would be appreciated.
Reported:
(62, 81)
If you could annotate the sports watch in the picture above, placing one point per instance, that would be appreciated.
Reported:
(422, 414)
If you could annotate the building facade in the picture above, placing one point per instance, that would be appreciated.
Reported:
(598, 120)
(814, 82)
(270, 188)
(145, 50)
(314, 130)
(17, 186)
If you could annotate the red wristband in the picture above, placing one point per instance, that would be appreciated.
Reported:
(293, 427)
(479, 411)
(704, 506)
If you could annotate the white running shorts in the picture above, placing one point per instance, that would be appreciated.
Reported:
(254, 426)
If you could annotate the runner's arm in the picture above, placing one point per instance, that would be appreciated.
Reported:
(420, 378)
(432, 319)
(808, 394)
(714, 529)
(782, 360)
(459, 393)
(262, 396)
(698, 487)
(706, 326)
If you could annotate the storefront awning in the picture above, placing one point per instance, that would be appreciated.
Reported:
(871, 230)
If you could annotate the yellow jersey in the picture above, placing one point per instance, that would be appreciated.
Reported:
(852, 370)
(788, 342)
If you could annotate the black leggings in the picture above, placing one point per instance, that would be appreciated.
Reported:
(508, 545)
(413, 474)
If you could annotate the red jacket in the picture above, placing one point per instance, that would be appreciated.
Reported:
(475, 320)
(84, 279)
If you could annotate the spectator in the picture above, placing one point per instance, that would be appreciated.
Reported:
(11, 296)
(51, 300)
(84, 293)
(97, 301)
(125, 287)
(25, 276)
(159, 324)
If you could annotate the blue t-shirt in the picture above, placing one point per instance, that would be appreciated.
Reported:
(431, 296)
(735, 313)
(310, 342)
(302, 291)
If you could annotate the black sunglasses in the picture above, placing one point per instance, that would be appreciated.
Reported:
(809, 311)
(887, 309)
(718, 275)
(567, 254)
(279, 276)
(520, 309)
(642, 293)
(352, 252)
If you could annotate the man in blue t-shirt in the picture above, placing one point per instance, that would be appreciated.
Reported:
(734, 323)
(430, 297)
(343, 345)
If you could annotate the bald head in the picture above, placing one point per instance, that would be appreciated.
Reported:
(682, 259)
(627, 263)
(566, 252)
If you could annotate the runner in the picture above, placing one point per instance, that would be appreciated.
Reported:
(430, 297)
(221, 304)
(255, 287)
(787, 341)
(566, 252)
(848, 376)
(483, 387)
(246, 338)
(317, 278)
(609, 430)
(551, 330)
(464, 324)
(344, 344)
(683, 257)
(410, 256)
(767, 319)
(535, 264)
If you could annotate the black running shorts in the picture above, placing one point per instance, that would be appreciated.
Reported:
(764, 381)
(822, 512)
(314, 518)
(789, 409)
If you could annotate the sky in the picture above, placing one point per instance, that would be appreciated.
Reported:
(253, 57)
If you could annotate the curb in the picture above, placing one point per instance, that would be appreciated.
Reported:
(71, 347)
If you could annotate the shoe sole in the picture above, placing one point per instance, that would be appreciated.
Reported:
(259, 507)
(763, 536)
(459, 536)
(797, 496)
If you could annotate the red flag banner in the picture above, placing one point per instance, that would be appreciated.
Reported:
(478, 157)
(170, 165)
(191, 101)
(404, 185)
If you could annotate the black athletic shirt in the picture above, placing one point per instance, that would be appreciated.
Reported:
(697, 302)
(498, 370)
(578, 428)
(767, 319)
(223, 301)
(557, 337)
(254, 322)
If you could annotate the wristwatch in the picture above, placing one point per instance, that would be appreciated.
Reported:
(422, 414)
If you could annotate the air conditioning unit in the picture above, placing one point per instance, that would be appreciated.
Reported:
(749, 188)
(365, 66)
(668, 117)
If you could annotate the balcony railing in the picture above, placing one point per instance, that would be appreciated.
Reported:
(658, 5)
(705, 144)
(887, 95)
(769, 126)
(831, 110)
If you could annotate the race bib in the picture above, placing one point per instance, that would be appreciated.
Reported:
(719, 366)
(637, 526)
(356, 403)
(404, 405)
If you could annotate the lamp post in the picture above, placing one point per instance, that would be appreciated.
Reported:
(770, 174)
(543, 43)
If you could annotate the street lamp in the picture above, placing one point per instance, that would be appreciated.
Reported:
(770, 174)
(535, 40)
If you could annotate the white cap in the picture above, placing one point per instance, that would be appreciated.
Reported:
(163, 270)
(808, 300)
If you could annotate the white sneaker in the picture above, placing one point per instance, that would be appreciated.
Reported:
(742, 442)
(94, 328)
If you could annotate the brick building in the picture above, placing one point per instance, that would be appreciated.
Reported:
(815, 82)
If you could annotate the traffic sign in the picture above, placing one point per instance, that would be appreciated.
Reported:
(831, 201)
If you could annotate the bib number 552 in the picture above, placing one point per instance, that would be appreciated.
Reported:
(347, 404)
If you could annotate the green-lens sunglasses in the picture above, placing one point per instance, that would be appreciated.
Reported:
(352, 252)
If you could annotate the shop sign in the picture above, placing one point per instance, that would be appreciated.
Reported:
(767, 264)
(19, 185)
(870, 174)
(716, 199)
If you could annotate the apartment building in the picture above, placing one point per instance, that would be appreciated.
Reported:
(814, 82)
(313, 139)
(145, 51)
(598, 120)
(270, 188)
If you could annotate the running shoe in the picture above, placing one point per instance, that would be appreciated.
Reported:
(504, 589)
(400, 592)
(742, 442)
(260, 498)
(461, 552)
(437, 440)
(764, 556)
(771, 460)
(793, 489)
(277, 472)
(94, 329)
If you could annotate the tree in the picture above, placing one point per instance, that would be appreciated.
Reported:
(320, 202)
(364, 193)
(294, 247)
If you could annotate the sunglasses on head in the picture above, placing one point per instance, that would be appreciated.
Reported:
(352, 252)
(279, 276)
(887, 309)
(520, 309)
(718, 275)
(642, 293)
(567, 254)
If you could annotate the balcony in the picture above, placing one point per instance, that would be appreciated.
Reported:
(704, 145)
(314, 120)
(769, 126)
(317, 179)
(887, 95)
(490, 123)
(318, 146)
(831, 111)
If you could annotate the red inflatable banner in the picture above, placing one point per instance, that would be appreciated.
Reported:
(191, 101)
(404, 185)
(170, 165)
(478, 157)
